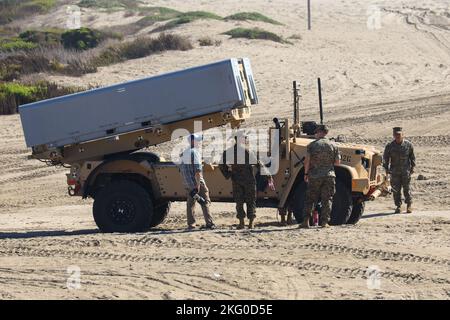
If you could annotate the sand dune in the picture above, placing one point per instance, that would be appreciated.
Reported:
(398, 75)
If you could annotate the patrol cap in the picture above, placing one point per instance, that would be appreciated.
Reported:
(397, 130)
(322, 127)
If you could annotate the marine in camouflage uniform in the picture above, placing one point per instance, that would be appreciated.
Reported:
(241, 171)
(399, 162)
(322, 155)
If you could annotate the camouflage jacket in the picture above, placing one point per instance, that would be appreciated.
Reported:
(239, 164)
(399, 157)
(323, 154)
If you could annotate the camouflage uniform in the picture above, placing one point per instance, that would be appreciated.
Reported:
(321, 185)
(243, 179)
(399, 161)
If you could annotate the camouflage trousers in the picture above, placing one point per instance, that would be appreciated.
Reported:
(322, 188)
(398, 181)
(244, 191)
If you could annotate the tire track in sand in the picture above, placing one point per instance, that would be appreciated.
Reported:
(305, 266)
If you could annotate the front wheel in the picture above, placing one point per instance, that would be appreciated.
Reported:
(357, 212)
(123, 206)
(342, 203)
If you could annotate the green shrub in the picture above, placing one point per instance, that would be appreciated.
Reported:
(253, 16)
(85, 38)
(109, 4)
(159, 13)
(14, 44)
(81, 39)
(45, 38)
(13, 94)
(254, 33)
(188, 17)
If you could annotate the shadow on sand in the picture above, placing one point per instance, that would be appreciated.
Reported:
(377, 215)
(42, 234)
(260, 228)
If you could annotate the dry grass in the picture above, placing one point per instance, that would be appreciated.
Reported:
(208, 41)
(141, 47)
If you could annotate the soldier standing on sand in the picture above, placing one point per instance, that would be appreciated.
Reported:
(322, 156)
(399, 162)
(196, 189)
(240, 170)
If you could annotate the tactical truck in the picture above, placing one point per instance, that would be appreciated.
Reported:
(102, 134)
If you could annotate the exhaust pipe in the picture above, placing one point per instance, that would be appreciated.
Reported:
(375, 194)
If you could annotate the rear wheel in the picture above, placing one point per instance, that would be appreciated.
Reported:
(160, 213)
(123, 206)
(357, 212)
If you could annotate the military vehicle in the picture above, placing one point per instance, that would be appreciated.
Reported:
(104, 131)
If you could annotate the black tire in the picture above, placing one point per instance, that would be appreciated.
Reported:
(342, 205)
(160, 214)
(123, 206)
(298, 201)
(357, 212)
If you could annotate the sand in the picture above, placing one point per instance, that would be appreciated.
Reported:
(398, 75)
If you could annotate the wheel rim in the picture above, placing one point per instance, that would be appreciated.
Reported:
(122, 211)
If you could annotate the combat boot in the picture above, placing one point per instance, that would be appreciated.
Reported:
(283, 220)
(241, 224)
(398, 209)
(289, 219)
(409, 209)
(251, 223)
(305, 224)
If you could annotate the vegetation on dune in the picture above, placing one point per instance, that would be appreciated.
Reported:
(253, 16)
(255, 33)
(141, 47)
(78, 39)
(208, 41)
(188, 17)
(109, 4)
(159, 13)
(155, 14)
(16, 64)
(17, 9)
(45, 38)
(70, 62)
(14, 44)
(85, 38)
(13, 94)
